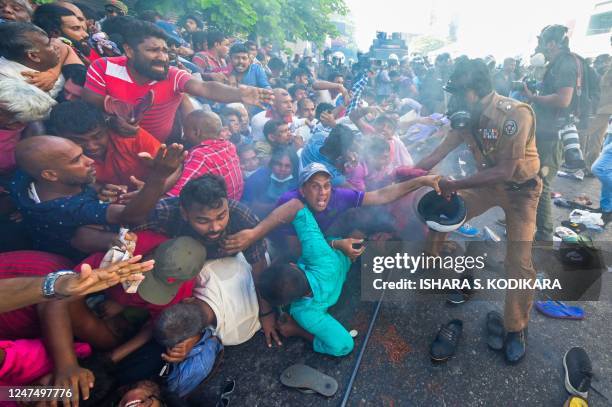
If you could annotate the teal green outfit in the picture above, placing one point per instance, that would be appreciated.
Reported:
(325, 269)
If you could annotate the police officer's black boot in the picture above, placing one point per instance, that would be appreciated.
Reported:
(516, 346)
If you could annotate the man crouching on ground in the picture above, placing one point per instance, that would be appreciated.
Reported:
(311, 286)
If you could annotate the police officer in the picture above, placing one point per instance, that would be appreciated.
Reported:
(500, 132)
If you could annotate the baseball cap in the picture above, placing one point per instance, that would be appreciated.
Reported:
(310, 170)
(119, 5)
(176, 261)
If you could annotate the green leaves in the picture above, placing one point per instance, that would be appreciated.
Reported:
(279, 20)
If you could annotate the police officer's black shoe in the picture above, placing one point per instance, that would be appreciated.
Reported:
(516, 346)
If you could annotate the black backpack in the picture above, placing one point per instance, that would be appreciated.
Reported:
(587, 91)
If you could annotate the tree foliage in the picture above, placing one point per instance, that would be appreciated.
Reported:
(272, 19)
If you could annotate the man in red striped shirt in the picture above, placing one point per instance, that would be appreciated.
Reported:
(145, 67)
(209, 154)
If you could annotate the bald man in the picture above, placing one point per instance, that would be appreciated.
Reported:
(281, 109)
(61, 211)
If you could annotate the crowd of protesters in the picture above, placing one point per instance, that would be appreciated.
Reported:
(214, 163)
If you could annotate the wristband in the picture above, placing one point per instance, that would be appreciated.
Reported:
(48, 286)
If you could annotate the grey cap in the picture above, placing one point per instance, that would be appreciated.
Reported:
(176, 261)
(312, 169)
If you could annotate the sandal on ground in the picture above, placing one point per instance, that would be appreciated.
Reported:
(302, 377)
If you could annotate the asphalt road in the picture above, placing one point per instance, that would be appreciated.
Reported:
(396, 369)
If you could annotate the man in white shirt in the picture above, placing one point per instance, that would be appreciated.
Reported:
(281, 109)
(226, 293)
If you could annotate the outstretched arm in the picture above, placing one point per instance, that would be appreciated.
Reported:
(226, 94)
(282, 215)
(393, 192)
(23, 291)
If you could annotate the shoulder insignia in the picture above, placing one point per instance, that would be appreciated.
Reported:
(505, 105)
(510, 128)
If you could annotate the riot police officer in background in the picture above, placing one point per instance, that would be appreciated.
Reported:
(500, 132)
(554, 107)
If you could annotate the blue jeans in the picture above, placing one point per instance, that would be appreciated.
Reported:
(602, 169)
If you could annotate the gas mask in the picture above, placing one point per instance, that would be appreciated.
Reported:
(459, 111)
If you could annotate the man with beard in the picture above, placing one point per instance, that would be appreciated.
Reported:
(145, 67)
(60, 22)
(501, 135)
(203, 211)
(53, 193)
(244, 70)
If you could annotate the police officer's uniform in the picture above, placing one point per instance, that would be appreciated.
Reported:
(506, 131)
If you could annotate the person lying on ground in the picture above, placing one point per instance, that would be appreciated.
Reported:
(311, 287)
(190, 347)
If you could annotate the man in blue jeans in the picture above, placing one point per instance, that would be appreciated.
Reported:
(602, 169)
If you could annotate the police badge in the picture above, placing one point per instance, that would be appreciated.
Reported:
(510, 128)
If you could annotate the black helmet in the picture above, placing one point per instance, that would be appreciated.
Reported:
(556, 32)
(440, 214)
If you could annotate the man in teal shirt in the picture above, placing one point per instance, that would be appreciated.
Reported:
(312, 286)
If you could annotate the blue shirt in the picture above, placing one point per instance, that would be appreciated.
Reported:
(51, 224)
(255, 76)
(260, 187)
(312, 154)
(172, 31)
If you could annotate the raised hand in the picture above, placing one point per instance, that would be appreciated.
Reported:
(168, 159)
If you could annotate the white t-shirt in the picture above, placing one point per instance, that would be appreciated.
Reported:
(257, 124)
(259, 121)
(12, 69)
(226, 285)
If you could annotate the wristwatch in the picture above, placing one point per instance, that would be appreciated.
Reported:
(48, 286)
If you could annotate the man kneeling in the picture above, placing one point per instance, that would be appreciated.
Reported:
(311, 286)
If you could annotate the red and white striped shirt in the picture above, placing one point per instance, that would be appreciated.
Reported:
(110, 76)
(217, 157)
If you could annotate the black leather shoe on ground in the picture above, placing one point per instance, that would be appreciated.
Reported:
(445, 344)
(516, 346)
(578, 372)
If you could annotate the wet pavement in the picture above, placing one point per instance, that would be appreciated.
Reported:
(396, 369)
